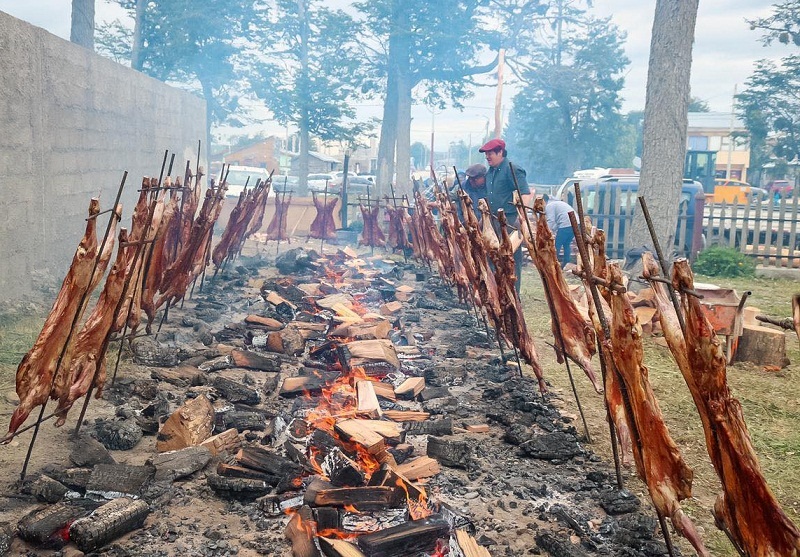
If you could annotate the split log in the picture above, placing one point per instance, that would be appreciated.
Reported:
(235, 391)
(88, 451)
(469, 546)
(390, 308)
(391, 431)
(241, 420)
(45, 489)
(252, 360)
(332, 547)
(422, 467)
(406, 415)
(301, 532)
(345, 314)
(267, 323)
(114, 519)
(409, 538)
(410, 388)
(294, 386)
(243, 488)
(341, 470)
(46, 526)
(118, 480)
(371, 355)
(316, 485)
(328, 302)
(178, 464)
(327, 519)
(387, 476)
(182, 375)
(367, 330)
(228, 440)
(274, 506)
(191, 424)
(431, 427)
(365, 498)
(233, 471)
(275, 466)
(384, 390)
(354, 430)
(450, 452)
(478, 428)
(367, 401)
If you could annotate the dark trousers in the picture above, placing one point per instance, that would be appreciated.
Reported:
(564, 238)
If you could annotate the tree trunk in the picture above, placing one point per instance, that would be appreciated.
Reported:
(137, 60)
(82, 29)
(405, 84)
(305, 136)
(665, 123)
(388, 139)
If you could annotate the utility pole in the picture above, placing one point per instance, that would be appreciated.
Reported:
(730, 133)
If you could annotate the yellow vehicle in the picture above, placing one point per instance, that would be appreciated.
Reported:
(726, 190)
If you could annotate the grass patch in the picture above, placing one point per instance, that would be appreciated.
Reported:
(17, 335)
(770, 402)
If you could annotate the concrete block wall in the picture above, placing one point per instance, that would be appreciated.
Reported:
(71, 122)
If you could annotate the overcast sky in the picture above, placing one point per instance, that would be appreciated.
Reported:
(724, 51)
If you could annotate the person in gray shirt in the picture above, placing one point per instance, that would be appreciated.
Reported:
(557, 214)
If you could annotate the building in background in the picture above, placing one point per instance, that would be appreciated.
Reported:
(717, 131)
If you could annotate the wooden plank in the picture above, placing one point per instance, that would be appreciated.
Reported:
(253, 360)
(469, 546)
(421, 467)
(367, 401)
(384, 390)
(393, 432)
(410, 388)
(478, 428)
(406, 415)
(267, 323)
(390, 308)
(364, 498)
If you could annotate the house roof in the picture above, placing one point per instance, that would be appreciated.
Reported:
(315, 154)
(714, 120)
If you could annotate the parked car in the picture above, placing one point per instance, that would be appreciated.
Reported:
(285, 183)
(780, 187)
(359, 187)
(238, 176)
(604, 200)
(317, 183)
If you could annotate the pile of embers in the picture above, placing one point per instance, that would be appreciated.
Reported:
(355, 409)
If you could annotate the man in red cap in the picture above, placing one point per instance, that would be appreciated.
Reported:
(500, 187)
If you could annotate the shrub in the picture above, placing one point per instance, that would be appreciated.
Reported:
(724, 262)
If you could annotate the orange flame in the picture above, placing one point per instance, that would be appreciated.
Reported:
(417, 508)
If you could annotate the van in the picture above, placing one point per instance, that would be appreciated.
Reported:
(238, 176)
(612, 201)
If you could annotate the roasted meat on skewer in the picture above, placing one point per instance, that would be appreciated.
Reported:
(658, 460)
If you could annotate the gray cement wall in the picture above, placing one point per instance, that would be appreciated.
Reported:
(71, 122)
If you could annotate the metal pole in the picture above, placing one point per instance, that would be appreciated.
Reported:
(662, 261)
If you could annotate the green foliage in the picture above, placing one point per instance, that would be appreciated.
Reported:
(769, 104)
(197, 48)
(307, 69)
(724, 262)
(568, 114)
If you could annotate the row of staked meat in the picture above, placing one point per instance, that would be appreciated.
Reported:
(166, 250)
(471, 256)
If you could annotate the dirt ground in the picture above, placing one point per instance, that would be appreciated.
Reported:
(511, 499)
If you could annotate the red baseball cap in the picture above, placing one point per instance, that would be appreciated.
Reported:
(493, 144)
